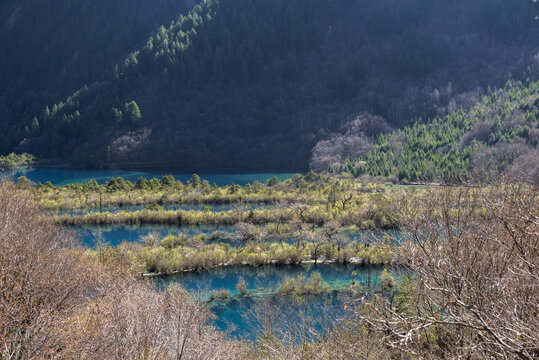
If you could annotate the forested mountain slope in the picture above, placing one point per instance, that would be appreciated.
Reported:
(498, 136)
(51, 48)
(254, 84)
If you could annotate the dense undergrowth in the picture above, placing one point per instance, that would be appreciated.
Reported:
(472, 251)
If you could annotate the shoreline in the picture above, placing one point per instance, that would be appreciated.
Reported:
(274, 262)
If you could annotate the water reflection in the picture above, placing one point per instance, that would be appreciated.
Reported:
(116, 234)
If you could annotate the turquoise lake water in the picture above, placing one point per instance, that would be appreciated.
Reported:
(114, 235)
(68, 176)
(242, 316)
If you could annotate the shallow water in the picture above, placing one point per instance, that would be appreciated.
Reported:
(268, 276)
(242, 316)
(114, 235)
(69, 176)
(188, 207)
(292, 318)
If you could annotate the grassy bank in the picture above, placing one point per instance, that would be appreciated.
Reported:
(166, 257)
(367, 212)
(309, 188)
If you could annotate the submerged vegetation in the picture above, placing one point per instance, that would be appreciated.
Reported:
(313, 285)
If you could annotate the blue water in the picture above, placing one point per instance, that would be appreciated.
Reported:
(292, 319)
(241, 315)
(366, 236)
(67, 176)
(267, 276)
(188, 207)
(114, 235)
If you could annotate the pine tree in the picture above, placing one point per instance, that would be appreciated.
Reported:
(117, 115)
(133, 114)
(34, 127)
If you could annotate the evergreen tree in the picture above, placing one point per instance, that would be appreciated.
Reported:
(117, 115)
(34, 127)
(132, 113)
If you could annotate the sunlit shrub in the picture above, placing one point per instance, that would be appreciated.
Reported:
(387, 280)
(241, 286)
(315, 284)
(287, 287)
(219, 295)
(172, 241)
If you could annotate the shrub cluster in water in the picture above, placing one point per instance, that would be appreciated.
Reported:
(182, 253)
(303, 285)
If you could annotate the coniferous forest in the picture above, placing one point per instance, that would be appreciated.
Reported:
(269, 179)
(245, 84)
(497, 136)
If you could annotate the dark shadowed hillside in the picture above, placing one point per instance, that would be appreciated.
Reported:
(51, 48)
(254, 84)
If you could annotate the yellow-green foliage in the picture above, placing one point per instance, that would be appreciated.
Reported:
(368, 212)
(387, 280)
(167, 258)
(14, 160)
(311, 189)
(241, 286)
(171, 241)
(217, 295)
(301, 285)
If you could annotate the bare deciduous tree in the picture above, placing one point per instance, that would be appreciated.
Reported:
(56, 302)
(475, 292)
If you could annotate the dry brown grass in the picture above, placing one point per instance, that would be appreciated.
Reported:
(55, 303)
